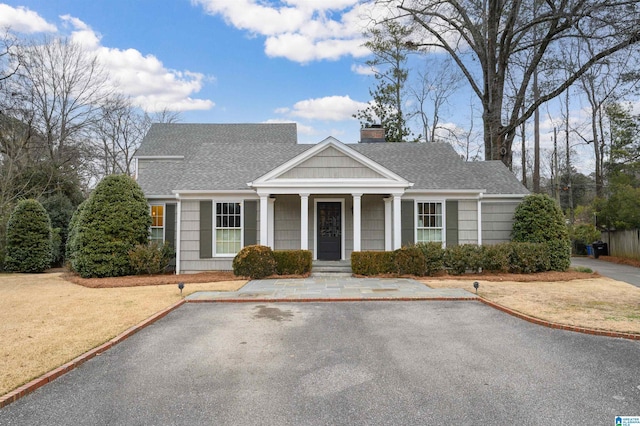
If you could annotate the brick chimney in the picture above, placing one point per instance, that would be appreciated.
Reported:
(372, 134)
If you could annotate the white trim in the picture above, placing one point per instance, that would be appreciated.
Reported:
(178, 236)
(304, 221)
(214, 228)
(357, 222)
(397, 221)
(271, 219)
(441, 192)
(388, 223)
(479, 210)
(264, 220)
(508, 197)
(342, 225)
(159, 157)
(209, 195)
(161, 197)
(443, 203)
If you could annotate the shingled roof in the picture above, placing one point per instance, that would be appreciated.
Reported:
(228, 156)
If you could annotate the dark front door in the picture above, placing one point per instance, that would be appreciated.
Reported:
(329, 231)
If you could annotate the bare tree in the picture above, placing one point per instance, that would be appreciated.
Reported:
(491, 33)
(64, 86)
(435, 84)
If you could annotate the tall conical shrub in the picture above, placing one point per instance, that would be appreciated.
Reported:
(28, 246)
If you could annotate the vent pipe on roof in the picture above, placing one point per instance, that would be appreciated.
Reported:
(372, 134)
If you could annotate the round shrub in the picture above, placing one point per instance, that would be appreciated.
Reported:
(410, 261)
(255, 262)
(114, 220)
(538, 219)
(28, 245)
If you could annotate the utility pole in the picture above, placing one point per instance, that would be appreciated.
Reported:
(569, 188)
(555, 158)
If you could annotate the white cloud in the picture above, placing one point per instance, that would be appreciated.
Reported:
(300, 30)
(332, 108)
(22, 20)
(363, 69)
(143, 77)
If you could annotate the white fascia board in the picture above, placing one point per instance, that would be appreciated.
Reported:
(506, 197)
(196, 194)
(457, 193)
(160, 197)
(159, 157)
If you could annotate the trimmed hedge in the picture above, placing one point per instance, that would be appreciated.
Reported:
(372, 262)
(29, 247)
(293, 262)
(430, 259)
(151, 258)
(255, 262)
(410, 260)
(463, 258)
(434, 257)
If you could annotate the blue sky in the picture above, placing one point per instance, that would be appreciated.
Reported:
(222, 60)
(243, 61)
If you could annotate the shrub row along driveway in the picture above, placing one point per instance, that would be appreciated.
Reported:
(344, 363)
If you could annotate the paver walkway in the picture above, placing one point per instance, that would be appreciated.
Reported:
(332, 288)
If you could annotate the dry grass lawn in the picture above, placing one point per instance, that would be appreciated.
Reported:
(599, 303)
(46, 321)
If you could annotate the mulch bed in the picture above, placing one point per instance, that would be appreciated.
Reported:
(143, 280)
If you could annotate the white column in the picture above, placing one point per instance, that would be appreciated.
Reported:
(304, 221)
(264, 220)
(480, 220)
(357, 202)
(397, 226)
(387, 224)
(270, 232)
(178, 229)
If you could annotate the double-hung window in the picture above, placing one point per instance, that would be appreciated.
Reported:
(157, 224)
(429, 226)
(228, 228)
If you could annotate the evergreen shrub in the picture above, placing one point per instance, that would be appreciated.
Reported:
(460, 259)
(496, 257)
(434, 257)
(255, 262)
(28, 246)
(114, 220)
(410, 260)
(293, 262)
(372, 262)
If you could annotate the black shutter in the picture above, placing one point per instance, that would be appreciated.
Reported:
(251, 223)
(170, 225)
(407, 223)
(452, 223)
(206, 229)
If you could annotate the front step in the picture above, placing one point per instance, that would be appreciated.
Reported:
(325, 268)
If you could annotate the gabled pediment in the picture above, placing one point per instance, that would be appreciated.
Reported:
(330, 162)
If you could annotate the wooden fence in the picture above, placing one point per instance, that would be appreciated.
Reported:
(623, 243)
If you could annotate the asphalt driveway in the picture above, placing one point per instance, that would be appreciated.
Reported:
(624, 273)
(344, 363)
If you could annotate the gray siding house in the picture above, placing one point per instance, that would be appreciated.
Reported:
(215, 188)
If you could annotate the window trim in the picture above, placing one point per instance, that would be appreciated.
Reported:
(443, 227)
(164, 219)
(214, 228)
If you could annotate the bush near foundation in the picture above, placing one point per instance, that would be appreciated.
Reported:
(463, 258)
(28, 247)
(410, 260)
(527, 258)
(115, 218)
(496, 257)
(539, 219)
(293, 262)
(372, 262)
(434, 257)
(255, 262)
(151, 258)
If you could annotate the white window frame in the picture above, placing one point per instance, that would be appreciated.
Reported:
(164, 220)
(444, 218)
(214, 237)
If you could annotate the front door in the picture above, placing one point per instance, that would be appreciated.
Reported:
(329, 230)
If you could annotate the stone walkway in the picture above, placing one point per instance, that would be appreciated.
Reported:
(331, 289)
